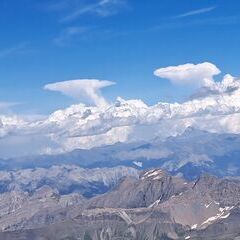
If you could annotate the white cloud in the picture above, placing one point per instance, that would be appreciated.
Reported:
(100, 8)
(9, 124)
(79, 120)
(82, 126)
(88, 90)
(189, 74)
(196, 12)
(68, 34)
(228, 85)
(18, 49)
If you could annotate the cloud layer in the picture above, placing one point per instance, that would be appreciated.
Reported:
(215, 107)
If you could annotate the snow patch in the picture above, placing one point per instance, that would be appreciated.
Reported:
(154, 204)
(194, 226)
(220, 215)
(157, 174)
(207, 205)
(138, 164)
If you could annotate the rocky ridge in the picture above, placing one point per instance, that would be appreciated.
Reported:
(155, 206)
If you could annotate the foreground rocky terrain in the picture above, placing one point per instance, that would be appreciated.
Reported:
(153, 206)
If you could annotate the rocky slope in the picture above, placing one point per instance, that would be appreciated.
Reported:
(154, 185)
(20, 210)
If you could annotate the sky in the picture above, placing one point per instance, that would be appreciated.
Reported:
(79, 74)
(120, 41)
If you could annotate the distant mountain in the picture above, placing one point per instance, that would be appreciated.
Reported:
(21, 210)
(192, 153)
(132, 193)
(65, 179)
(156, 206)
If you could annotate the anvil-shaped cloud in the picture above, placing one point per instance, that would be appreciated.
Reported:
(88, 90)
(189, 74)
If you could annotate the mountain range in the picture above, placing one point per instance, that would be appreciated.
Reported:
(183, 187)
(154, 206)
(189, 154)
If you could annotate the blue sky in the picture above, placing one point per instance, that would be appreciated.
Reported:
(118, 40)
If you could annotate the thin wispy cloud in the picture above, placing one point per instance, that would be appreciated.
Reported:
(101, 8)
(19, 48)
(57, 6)
(73, 35)
(212, 21)
(72, 10)
(196, 12)
(7, 105)
(68, 34)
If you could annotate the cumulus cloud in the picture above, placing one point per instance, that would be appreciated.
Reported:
(87, 90)
(228, 86)
(189, 74)
(80, 120)
(84, 126)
